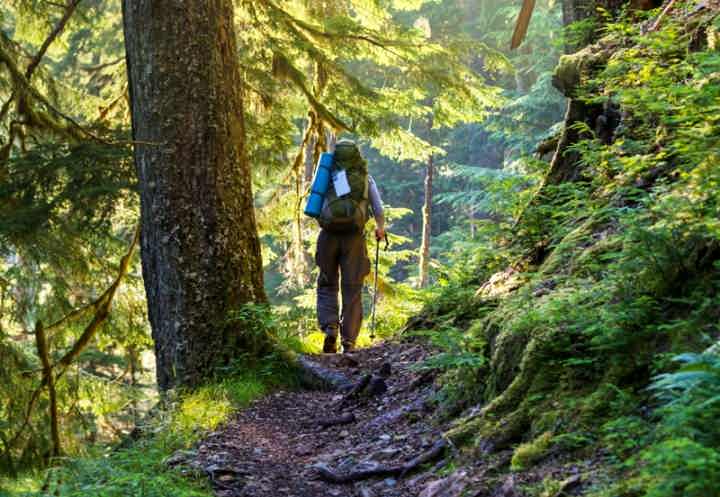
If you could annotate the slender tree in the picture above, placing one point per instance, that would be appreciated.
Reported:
(424, 276)
(200, 248)
(426, 225)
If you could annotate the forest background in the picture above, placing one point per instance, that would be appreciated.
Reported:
(447, 116)
(565, 268)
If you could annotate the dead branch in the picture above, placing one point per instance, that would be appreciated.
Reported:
(104, 309)
(48, 378)
(105, 65)
(664, 12)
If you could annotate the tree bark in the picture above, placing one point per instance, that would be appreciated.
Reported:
(200, 248)
(427, 225)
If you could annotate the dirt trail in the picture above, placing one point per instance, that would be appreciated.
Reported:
(277, 446)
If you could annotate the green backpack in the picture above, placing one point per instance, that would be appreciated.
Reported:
(349, 213)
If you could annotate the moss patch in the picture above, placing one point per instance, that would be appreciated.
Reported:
(527, 454)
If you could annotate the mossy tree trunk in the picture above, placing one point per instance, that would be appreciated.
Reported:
(200, 248)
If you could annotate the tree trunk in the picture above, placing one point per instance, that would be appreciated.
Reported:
(49, 376)
(200, 248)
(427, 225)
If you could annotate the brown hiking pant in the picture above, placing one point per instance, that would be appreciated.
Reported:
(348, 254)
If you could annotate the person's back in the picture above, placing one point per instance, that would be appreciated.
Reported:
(341, 249)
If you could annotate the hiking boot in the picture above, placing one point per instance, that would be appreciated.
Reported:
(330, 343)
(348, 347)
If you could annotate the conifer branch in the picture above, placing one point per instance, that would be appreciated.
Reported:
(100, 316)
(35, 62)
(103, 309)
(283, 68)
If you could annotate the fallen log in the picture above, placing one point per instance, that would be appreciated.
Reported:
(401, 470)
(313, 375)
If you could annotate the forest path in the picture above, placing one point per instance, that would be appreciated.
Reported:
(278, 446)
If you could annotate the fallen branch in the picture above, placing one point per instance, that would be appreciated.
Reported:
(356, 389)
(664, 12)
(313, 375)
(400, 470)
(426, 377)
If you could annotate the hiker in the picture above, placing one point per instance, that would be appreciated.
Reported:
(341, 246)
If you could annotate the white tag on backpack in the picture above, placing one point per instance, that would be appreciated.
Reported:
(340, 183)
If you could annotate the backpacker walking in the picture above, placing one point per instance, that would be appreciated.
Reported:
(341, 249)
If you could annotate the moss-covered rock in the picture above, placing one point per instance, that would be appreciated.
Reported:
(572, 69)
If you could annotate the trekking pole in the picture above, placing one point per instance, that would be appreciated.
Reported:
(375, 286)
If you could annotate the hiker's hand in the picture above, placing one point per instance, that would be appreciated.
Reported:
(379, 234)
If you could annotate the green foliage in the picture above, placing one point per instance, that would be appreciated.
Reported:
(139, 470)
(624, 436)
(59, 187)
(691, 397)
(606, 277)
(180, 421)
(457, 349)
(681, 467)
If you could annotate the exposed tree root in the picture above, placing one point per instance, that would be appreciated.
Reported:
(401, 470)
(507, 417)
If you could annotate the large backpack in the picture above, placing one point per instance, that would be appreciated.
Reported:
(349, 213)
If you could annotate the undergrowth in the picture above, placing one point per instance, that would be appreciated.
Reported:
(560, 354)
(138, 467)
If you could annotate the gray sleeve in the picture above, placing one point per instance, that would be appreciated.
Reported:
(376, 202)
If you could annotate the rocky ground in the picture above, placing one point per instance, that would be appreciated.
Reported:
(376, 437)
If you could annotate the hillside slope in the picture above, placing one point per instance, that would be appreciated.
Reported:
(616, 272)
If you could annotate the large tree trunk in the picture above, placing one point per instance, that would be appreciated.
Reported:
(427, 225)
(200, 248)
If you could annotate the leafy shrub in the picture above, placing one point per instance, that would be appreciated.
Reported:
(183, 418)
(680, 466)
(458, 349)
(684, 458)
